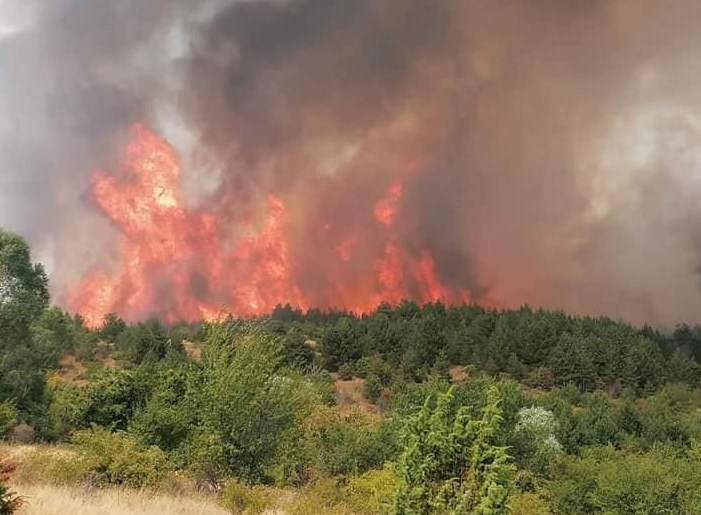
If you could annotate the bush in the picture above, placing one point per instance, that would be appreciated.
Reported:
(373, 388)
(119, 459)
(241, 499)
(528, 503)
(541, 378)
(602, 480)
(322, 496)
(349, 444)
(371, 493)
(8, 418)
(10, 502)
(23, 434)
(346, 372)
(451, 462)
(535, 445)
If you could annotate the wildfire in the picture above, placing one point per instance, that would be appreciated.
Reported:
(174, 262)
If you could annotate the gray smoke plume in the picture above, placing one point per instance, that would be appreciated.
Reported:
(550, 151)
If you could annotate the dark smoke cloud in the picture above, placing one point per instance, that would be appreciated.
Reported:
(550, 150)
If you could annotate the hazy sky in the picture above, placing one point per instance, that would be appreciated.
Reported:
(550, 150)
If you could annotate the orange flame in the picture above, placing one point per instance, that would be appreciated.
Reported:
(173, 261)
(386, 209)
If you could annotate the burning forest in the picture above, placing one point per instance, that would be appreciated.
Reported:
(183, 160)
(176, 260)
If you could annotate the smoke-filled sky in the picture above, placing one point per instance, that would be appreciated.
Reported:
(549, 151)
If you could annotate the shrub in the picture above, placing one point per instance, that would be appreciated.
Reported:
(528, 503)
(345, 372)
(8, 418)
(322, 496)
(535, 444)
(451, 462)
(349, 444)
(10, 502)
(373, 388)
(603, 480)
(119, 459)
(241, 499)
(541, 378)
(371, 493)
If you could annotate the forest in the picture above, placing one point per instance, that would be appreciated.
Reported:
(408, 410)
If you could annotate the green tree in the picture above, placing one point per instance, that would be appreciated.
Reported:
(144, 342)
(296, 352)
(571, 362)
(111, 328)
(24, 290)
(247, 408)
(340, 344)
(451, 462)
(24, 296)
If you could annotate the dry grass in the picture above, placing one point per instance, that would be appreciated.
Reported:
(35, 480)
(350, 395)
(193, 350)
(72, 371)
(57, 500)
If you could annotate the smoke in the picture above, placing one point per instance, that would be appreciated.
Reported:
(550, 151)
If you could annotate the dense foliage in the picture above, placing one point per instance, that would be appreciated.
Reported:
(461, 409)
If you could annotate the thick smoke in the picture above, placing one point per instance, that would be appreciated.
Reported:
(550, 151)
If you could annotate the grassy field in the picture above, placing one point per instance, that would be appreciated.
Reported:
(47, 493)
(46, 499)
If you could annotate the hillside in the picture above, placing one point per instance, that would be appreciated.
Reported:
(407, 409)
(590, 409)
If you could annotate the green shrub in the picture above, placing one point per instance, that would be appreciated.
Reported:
(603, 480)
(10, 502)
(373, 388)
(451, 462)
(241, 499)
(8, 419)
(350, 444)
(322, 496)
(119, 459)
(371, 493)
(528, 503)
(535, 445)
(346, 372)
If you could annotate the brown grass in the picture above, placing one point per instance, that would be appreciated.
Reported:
(35, 480)
(193, 350)
(350, 394)
(61, 500)
(72, 371)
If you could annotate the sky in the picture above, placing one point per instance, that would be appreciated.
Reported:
(549, 151)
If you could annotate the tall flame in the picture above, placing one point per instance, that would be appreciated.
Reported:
(174, 261)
